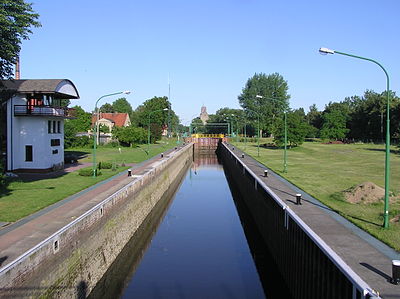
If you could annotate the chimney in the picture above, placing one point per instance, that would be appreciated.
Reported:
(17, 72)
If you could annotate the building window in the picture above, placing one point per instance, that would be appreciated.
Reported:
(55, 142)
(54, 126)
(28, 153)
(58, 127)
(55, 151)
(49, 126)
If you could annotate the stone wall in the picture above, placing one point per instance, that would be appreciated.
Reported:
(70, 262)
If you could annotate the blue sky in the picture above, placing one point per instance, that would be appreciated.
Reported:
(210, 48)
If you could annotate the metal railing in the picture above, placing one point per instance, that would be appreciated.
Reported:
(289, 237)
(28, 110)
(208, 135)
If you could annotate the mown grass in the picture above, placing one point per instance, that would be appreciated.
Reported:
(324, 170)
(22, 198)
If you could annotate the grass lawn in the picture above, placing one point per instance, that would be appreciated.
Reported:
(22, 198)
(323, 170)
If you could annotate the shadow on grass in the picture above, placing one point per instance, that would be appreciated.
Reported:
(396, 152)
(36, 188)
(78, 154)
(33, 177)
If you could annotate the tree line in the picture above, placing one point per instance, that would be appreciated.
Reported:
(151, 115)
(265, 104)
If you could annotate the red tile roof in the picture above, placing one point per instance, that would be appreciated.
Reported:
(118, 119)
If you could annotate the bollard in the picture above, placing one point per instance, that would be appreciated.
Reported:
(129, 172)
(298, 199)
(266, 172)
(242, 155)
(162, 155)
(395, 272)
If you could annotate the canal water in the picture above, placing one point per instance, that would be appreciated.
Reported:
(198, 243)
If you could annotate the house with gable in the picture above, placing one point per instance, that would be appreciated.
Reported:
(32, 123)
(110, 120)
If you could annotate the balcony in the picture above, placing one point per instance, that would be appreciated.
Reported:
(28, 110)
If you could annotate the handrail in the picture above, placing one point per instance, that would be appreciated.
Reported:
(356, 280)
(208, 135)
(32, 110)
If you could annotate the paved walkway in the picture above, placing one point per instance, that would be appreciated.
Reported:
(17, 238)
(367, 256)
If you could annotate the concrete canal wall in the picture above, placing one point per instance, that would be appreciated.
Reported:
(70, 262)
(310, 268)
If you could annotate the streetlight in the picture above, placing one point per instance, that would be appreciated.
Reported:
(285, 138)
(235, 117)
(95, 127)
(148, 128)
(230, 125)
(258, 129)
(326, 51)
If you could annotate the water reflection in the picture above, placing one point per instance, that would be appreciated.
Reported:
(198, 251)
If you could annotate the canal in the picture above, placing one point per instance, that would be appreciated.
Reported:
(199, 242)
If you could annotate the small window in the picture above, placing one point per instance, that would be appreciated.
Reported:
(58, 127)
(55, 142)
(49, 126)
(55, 151)
(28, 153)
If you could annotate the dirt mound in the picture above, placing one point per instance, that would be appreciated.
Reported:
(366, 193)
(395, 219)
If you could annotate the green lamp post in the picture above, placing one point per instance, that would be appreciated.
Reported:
(95, 127)
(285, 138)
(326, 51)
(258, 130)
(148, 127)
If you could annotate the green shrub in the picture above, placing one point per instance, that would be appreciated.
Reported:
(105, 165)
(88, 171)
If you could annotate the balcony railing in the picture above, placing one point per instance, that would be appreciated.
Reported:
(26, 110)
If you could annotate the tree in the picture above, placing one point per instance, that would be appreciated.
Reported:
(130, 135)
(235, 117)
(334, 119)
(297, 128)
(104, 129)
(275, 98)
(107, 108)
(153, 109)
(81, 122)
(368, 117)
(121, 105)
(16, 20)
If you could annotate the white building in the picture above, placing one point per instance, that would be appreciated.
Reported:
(34, 124)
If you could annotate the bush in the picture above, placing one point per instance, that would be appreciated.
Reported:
(105, 165)
(88, 171)
(78, 141)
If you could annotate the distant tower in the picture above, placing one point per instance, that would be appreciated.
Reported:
(204, 115)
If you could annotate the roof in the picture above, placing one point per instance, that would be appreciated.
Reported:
(59, 88)
(118, 118)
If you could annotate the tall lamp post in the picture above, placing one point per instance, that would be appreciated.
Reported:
(148, 127)
(258, 130)
(285, 137)
(325, 51)
(95, 127)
